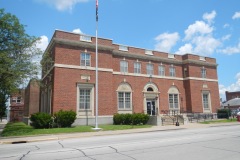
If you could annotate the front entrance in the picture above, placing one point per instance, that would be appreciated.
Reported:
(151, 108)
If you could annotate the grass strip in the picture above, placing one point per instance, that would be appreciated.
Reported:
(21, 129)
(219, 121)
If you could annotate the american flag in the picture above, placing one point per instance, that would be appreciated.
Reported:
(96, 10)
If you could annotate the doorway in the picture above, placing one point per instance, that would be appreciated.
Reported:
(151, 108)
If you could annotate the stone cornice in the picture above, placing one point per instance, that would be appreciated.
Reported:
(89, 45)
(146, 57)
(82, 44)
(201, 63)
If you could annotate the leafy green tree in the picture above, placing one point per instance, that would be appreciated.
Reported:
(17, 50)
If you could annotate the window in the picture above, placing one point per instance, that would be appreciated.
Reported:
(85, 59)
(84, 98)
(124, 100)
(201, 58)
(123, 48)
(148, 52)
(173, 98)
(172, 71)
(161, 70)
(171, 56)
(205, 97)
(150, 69)
(137, 67)
(173, 101)
(150, 89)
(203, 72)
(85, 38)
(123, 66)
(124, 96)
(16, 99)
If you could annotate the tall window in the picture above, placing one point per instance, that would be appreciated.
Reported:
(124, 100)
(137, 67)
(173, 98)
(161, 70)
(85, 59)
(84, 98)
(150, 69)
(205, 97)
(123, 66)
(173, 101)
(203, 72)
(124, 96)
(172, 71)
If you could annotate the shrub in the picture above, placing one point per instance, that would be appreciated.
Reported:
(130, 119)
(117, 119)
(139, 118)
(64, 118)
(41, 120)
(127, 119)
(224, 113)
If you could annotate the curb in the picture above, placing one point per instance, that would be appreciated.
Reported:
(16, 140)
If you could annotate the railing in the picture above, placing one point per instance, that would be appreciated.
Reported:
(191, 116)
(174, 115)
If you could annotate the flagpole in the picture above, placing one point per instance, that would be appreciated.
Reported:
(96, 114)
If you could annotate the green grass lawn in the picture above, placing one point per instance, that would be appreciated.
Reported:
(220, 121)
(21, 129)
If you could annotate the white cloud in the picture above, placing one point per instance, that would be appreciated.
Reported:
(62, 5)
(187, 48)
(42, 43)
(77, 30)
(226, 37)
(231, 88)
(166, 41)
(226, 25)
(205, 45)
(230, 50)
(236, 15)
(209, 17)
(199, 37)
(198, 28)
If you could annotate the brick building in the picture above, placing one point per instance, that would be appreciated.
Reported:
(232, 95)
(131, 79)
(31, 100)
(16, 106)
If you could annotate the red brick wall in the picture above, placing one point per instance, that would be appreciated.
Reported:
(65, 80)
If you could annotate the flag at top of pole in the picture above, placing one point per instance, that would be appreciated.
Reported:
(96, 10)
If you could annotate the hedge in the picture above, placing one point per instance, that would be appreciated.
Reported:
(130, 119)
(64, 118)
(41, 120)
(224, 113)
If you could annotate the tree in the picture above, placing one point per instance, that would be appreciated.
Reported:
(17, 50)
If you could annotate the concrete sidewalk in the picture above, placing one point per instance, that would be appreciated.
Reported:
(11, 140)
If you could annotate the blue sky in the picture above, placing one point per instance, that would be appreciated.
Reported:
(204, 27)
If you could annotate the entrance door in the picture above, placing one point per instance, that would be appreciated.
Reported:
(151, 109)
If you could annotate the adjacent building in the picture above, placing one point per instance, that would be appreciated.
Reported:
(31, 100)
(232, 95)
(131, 79)
(16, 106)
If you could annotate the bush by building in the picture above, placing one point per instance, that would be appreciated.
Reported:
(41, 120)
(130, 119)
(64, 118)
(224, 113)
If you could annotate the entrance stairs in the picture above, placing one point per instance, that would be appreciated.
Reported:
(172, 119)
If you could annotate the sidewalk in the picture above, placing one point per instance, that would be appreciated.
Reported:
(10, 140)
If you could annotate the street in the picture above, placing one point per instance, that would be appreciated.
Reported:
(212, 143)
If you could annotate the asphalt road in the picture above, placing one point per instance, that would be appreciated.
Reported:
(213, 143)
